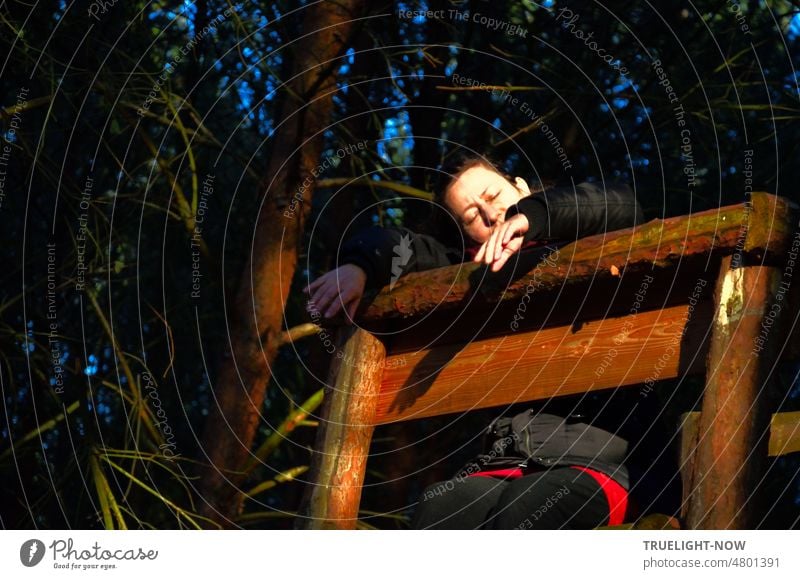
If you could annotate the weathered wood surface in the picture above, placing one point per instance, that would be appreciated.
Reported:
(784, 438)
(505, 366)
(656, 244)
(339, 461)
(731, 452)
(540, 364)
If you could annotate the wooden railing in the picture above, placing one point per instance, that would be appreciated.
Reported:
(670, 298)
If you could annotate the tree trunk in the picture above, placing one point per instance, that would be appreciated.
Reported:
(257, 311)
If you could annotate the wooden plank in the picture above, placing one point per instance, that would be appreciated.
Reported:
(784, 434)
(533, 365)
(761, 230)
(731, 451)
(339, 460)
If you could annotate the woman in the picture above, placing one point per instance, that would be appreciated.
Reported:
(497, 218)
(548, 485)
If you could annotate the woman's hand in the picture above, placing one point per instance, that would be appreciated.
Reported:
(342, 286)
(505, 241)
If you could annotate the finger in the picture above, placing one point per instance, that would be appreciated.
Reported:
(479, 256)
(488, 257)
(497, 246)
(315, 284)
(326, 296)
(334, 308)
(317, 294)
(512, 230)
(501, 261)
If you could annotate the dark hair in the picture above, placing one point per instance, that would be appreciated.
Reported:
(459, 164)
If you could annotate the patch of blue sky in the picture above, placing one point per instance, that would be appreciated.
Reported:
(637, 161)
(246, 94)
(189, 9)
(348, 61)
(271, 86)
(91, 368)
(793, 30)
(397, 136)
(622, 84)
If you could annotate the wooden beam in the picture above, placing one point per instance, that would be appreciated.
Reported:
(533, 365)
(784, 438)
(731, 448)
(761, 231)
(339, 460)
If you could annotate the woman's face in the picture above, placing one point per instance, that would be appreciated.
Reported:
(478, 200)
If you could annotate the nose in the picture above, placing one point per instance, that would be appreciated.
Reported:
(490, 213)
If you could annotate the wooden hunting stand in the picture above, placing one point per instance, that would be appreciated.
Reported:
(705, 293)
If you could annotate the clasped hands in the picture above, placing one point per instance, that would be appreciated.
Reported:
(506, 239)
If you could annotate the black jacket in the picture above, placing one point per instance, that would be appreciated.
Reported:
(559, 213)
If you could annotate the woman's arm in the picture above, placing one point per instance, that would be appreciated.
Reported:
(565, 213)
(387, 253)
(373, 258)
(561, 213)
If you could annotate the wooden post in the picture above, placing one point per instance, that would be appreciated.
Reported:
(345, 431)
(732, 435)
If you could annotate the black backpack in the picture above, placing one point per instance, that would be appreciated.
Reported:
(532, 439)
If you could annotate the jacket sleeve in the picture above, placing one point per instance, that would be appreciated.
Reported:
(386, 253)
(588, 209)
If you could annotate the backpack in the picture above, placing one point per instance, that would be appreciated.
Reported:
(535, 439)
